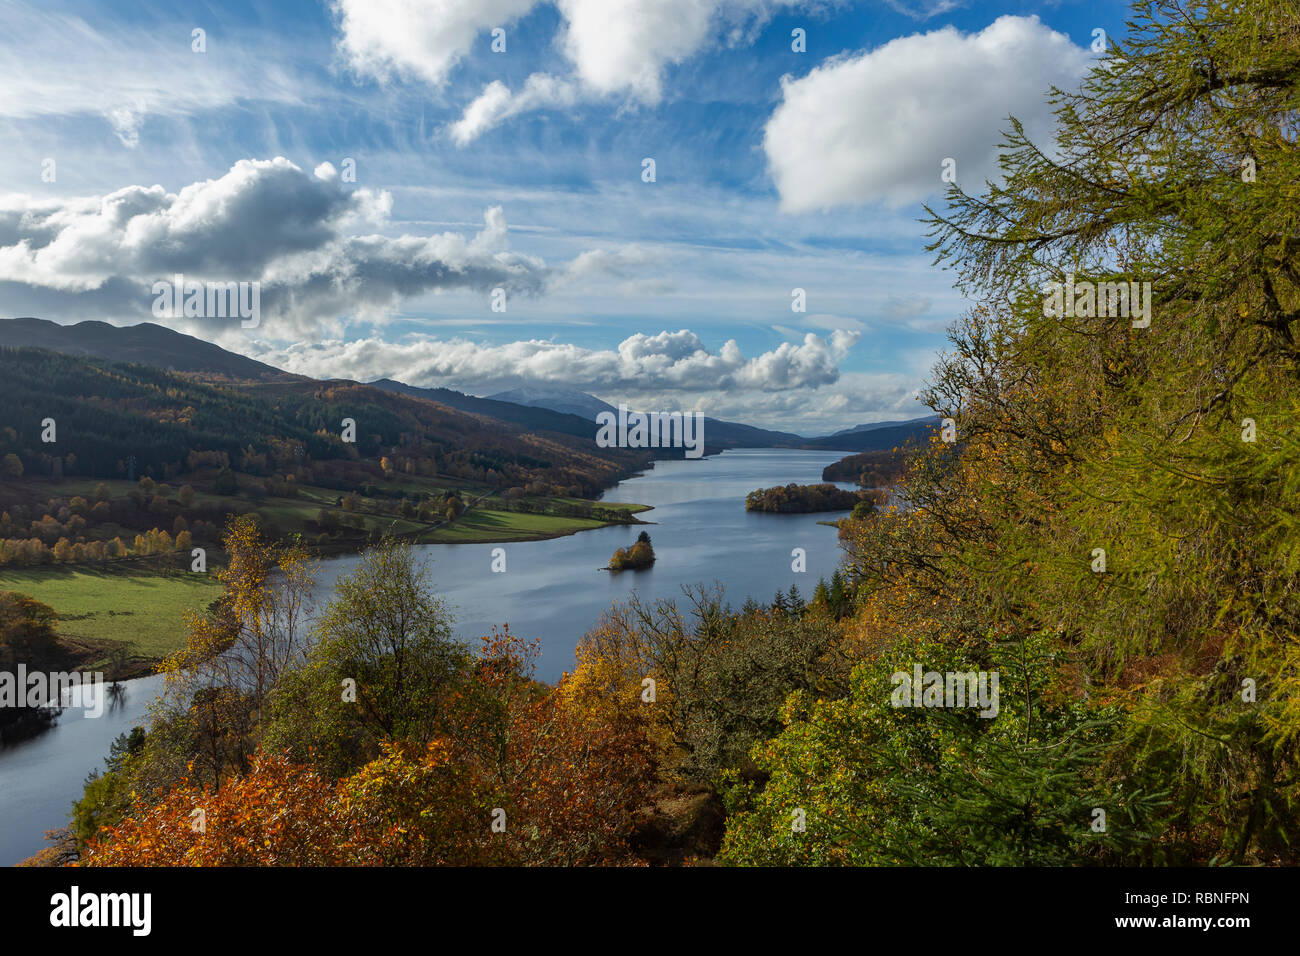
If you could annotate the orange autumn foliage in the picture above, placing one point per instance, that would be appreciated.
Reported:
(278, 814)
(568, 781)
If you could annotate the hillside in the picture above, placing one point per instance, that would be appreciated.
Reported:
(881, 437)
(106, 412)
(146, 344)
(550, 409)
(532, 417)
(718, 434)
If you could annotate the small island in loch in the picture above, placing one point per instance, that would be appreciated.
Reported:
(803, 499)
(641, 555)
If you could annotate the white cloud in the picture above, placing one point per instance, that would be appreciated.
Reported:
(423, 38)
(857, 398)
(300, 235)
(616, 48)
(54, 64)
(663, 371)
(875, 127)
(618, 262)
(622, 46)
(674, 361)
(496, 104)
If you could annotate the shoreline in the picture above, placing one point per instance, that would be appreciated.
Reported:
(81, 651)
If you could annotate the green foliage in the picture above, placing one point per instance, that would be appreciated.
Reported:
(801, 499)
(881, 784)
(27, 636)
(108, 797)
(1121, 501)
(383, 666)
(722, 677)
(225, 482)
(870, 469)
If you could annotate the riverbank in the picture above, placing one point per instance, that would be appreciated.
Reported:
(121, 621)
(547, 591)
(122, 618)
(491, 526)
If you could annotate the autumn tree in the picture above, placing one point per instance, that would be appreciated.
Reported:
(1118, 506)
(383, 665)
(277, 814)
(234, 655)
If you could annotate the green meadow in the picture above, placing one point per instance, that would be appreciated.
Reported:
(143, 610)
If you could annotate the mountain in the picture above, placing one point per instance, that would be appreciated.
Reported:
(717, 433)
(880, 436)
(547, 408)
(171, 423)
(144, 344)
(557, 398)
(736, 435)
(927, 419)
(532, 417)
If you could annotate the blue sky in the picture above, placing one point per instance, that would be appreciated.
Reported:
(775, 170)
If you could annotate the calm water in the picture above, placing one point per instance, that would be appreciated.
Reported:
(551, 590)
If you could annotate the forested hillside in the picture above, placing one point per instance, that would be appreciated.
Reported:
(1113, 533)
(105, 413)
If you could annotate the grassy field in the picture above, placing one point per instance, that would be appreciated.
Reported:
(612, 505)
(142, 610)
(143, 607)
(484, 525)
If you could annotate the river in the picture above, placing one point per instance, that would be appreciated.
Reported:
(551, 590)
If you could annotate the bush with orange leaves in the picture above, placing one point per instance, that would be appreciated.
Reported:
(278, 814)
(565, 779)
(418, 806)
(572, 783)
(568, 783)
(569, 777)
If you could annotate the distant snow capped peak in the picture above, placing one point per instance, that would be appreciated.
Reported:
(558, 398)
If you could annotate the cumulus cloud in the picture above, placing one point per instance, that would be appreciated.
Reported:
(422, 38)
(875, 126)
(793, 389)
(622, 46)
(676, 361)
(614, 47)
(302, 236)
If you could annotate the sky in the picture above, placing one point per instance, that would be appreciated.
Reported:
(698, 205)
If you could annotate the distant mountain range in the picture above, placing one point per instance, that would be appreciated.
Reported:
(876, 436)
(720, 434)
(925, 420)
(530, 416)
(558, 409)
(571, 401)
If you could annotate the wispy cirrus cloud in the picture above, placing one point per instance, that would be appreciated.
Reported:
(58, 64)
